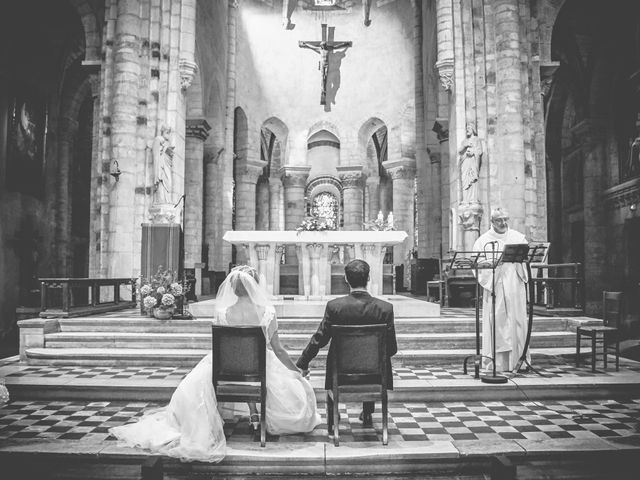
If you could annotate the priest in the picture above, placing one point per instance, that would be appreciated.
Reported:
(511, 301)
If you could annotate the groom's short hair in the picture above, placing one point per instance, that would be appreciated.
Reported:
(357, 273)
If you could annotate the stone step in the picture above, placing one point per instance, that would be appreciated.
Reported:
(287, 325)
(189, 357)
(290, 341)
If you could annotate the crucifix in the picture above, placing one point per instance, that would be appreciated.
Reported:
(323, 47)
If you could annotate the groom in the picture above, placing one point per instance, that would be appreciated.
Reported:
(357, 308)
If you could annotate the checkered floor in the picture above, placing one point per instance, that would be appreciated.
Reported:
(490, 421)
(545, 366)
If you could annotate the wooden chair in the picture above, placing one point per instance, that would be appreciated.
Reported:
(359, 371)
(239, 367)
(608, 333)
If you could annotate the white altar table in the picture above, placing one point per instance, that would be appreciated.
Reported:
(264, 250)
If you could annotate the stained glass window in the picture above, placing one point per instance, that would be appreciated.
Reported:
(325, 205)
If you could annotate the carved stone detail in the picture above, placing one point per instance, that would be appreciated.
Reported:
(445, 70)
(187, 73)
(470, 215)
(198, 128)
(262, 250)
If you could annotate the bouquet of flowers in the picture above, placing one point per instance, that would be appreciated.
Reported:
(379, 225)
(314, 224)
(161, 291)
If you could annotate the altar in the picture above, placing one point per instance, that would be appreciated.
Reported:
(264, 250)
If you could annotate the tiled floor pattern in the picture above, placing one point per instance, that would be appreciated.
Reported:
(545, 366)
(486, 421)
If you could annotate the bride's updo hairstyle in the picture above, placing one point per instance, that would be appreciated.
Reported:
(243, 282)
(239, 275)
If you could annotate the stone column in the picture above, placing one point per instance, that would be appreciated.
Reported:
(187, 63)
(96, 179)
(294, 180)
(373, 197)
(197, 133)
(444, 64)
(509, 157)
(591, 134)
(67, 128)
(120, 254)
(403, 173)
(262, 205)
(246, 178)
(275, 202)
(223, 256)
(353, 195)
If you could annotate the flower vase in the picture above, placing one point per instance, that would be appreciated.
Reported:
(163, 313)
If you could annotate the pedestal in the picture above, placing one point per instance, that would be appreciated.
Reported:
(161, 246)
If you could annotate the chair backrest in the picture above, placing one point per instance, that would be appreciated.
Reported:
(359, 354)
(612, 308)
(238, 354)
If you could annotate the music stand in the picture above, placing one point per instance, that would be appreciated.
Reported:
(470, 261)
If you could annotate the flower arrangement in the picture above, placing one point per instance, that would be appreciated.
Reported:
(379, 224)
(161, 292)
(314, 224)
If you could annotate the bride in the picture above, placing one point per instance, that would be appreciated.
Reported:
(190, 427)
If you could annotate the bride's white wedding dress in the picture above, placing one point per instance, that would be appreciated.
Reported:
(190, 427)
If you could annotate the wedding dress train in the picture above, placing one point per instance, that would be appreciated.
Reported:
(190, 427)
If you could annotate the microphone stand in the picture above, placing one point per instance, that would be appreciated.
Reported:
(184, 287)
(494, 379)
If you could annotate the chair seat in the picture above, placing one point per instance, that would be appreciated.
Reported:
(596, 329)
(239, 390)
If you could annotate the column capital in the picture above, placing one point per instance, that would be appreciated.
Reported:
(249, 170)
(445, 71)
(198, 128)
(294, 175)
(351, 176)
(188, 71)
(401, 169)
(547, 73)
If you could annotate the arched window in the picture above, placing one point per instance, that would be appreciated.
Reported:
(325, 205)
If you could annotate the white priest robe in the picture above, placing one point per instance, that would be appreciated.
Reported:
(511, 302)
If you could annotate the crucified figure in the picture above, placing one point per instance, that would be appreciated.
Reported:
(323, 47)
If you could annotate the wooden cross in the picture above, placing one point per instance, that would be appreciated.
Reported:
(323, 47)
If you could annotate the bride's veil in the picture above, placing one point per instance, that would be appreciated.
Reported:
(242, 281)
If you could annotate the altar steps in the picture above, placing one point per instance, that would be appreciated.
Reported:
(135, 340)
(291, 341)
(189, 357)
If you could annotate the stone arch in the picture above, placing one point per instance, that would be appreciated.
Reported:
(548, 11)
(281, 133)
(76, 97)
(323, 125)
(92, 33)
(365, 135)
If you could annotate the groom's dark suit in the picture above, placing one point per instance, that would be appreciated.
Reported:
(357, 308)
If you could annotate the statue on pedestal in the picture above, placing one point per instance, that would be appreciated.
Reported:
(162, 152)
(162, 210)
(470, 160)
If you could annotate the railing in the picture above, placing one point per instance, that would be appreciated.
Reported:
(558, 285)
(71, 297)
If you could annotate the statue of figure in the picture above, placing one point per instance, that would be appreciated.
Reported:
(633, 165)
(163, 166)
(470, 160)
